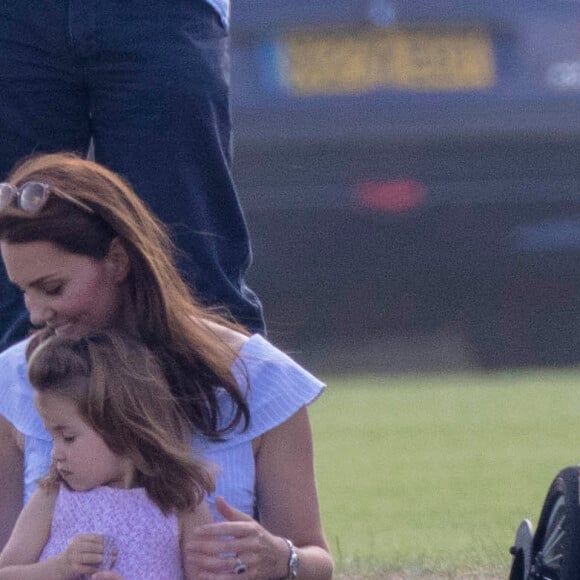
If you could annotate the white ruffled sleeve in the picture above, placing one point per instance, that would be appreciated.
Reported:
(16, 393)
(276, 387)
(17, 407)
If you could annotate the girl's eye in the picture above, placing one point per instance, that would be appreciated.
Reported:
(69, 439)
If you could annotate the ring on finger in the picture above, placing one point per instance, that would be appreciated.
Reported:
(240, 567)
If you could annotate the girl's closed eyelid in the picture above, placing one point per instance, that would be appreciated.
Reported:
(58, 434)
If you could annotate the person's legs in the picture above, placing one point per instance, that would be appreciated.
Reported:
(160, 107)
(42, 108)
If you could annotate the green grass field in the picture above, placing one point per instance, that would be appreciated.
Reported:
(432, 473)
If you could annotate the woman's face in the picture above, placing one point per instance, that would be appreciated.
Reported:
(71, 293)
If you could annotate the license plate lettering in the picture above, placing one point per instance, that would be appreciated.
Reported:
(346, 63)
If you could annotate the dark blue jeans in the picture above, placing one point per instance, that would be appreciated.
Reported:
(148, 81)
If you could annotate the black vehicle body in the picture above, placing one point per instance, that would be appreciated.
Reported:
(406, 165)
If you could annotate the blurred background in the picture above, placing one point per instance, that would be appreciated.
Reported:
(410, 173)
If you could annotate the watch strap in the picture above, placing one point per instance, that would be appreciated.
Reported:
(292, 561)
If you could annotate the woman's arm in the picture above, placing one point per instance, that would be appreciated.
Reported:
(288, 499)
(11, 479)
(288, 507)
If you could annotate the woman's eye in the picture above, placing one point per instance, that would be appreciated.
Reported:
(53, 291)
(69, 439)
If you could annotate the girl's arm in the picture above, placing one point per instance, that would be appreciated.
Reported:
(11, 478)
(19, 559)
(30, 534)
(188, 522)
(288, 507)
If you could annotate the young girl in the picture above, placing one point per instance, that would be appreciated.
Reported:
(122, 471)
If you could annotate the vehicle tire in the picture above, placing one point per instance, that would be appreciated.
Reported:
(522, 552)
(556, 545)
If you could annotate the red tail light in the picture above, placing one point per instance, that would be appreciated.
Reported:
(390, 196)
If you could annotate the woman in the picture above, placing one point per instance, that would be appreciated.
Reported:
(89, 256)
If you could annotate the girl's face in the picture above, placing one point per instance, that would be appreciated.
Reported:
(79, 453)
(73, 294)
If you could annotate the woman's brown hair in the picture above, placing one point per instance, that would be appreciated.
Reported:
(169, 320)
(120, 391)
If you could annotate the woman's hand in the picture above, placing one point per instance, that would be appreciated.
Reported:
(108, 575)
(288, 505)
(239, 545)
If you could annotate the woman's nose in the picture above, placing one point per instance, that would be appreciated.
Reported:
(40, 312)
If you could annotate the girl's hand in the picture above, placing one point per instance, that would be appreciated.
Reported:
(108, 575)
(217, 549)
(83, 555)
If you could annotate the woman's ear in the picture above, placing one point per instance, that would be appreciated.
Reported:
(118, 259)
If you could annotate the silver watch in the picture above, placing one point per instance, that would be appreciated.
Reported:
(292, 561)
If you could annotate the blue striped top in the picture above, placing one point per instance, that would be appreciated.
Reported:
(276, 387)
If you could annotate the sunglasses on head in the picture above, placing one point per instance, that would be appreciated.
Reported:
(32, 196)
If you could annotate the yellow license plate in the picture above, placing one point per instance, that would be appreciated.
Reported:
(341, 62)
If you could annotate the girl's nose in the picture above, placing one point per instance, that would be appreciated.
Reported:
(57, 452)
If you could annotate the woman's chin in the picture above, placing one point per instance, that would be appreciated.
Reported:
(67, 331)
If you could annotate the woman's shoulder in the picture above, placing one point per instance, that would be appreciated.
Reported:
(234, 339)
(275, 385)
(259, 356)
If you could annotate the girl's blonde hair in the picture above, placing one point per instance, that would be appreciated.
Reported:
(169, 319)
(120, 391)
